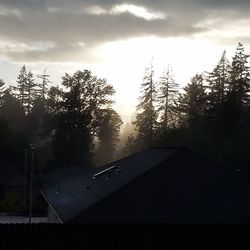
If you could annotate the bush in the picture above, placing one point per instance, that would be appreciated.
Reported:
(12, 203)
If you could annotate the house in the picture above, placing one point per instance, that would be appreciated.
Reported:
(171, 185)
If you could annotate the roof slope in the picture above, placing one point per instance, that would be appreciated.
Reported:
(62, 174)
(71, 197)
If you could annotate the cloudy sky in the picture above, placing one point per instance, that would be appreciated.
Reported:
(117, 39)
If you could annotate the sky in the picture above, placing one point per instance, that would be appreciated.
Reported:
(117, 39)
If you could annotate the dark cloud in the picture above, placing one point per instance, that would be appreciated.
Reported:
(66, 24)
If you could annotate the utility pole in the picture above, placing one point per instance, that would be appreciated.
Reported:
(32, 148)
(25, 174)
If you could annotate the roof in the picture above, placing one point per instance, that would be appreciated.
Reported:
(72, 196)
(62, 174)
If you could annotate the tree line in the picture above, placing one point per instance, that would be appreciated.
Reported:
(76, 124)
(210, 115)
(63, 122)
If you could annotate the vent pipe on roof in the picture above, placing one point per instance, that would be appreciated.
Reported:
(108, 171)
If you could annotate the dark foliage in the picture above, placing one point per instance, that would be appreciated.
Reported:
(211, 114)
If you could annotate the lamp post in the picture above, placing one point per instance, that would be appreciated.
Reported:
(32, 148)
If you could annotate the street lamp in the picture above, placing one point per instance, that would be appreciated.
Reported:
(32, 148)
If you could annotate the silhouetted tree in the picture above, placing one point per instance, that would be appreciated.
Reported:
(12, 138)
(30, 92)
(191, 108)
(237, 99)
(219, 82)
(43, 86)
(72, 138)
(75, 124)
(12, 111)
(218, 85)
(34, 120)
(235, 113)
(167, 97)
(127, 130)
(146, 119)
(240, 77)
(192, 103)
(21, 84)
(108, 135)
(54, 99)
(26, 89)
(2, 91)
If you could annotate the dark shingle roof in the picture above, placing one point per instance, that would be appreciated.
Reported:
(62, 174)
(72, 196)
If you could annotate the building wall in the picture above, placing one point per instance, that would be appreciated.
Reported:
(52, 217)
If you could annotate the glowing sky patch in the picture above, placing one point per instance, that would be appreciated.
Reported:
(137, 11)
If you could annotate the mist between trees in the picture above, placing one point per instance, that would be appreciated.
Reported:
(77, 125)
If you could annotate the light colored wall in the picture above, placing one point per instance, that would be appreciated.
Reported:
(52, 217)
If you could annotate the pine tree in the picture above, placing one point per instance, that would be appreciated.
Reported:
(192, 103)
(240, 77)
(191, 107)
(218, 86)
(26, 89)
(219, 82)
(2, 91)
(43, 86)
(232, 121)
(146, 119)
(21, 84)
(167, 97)
(30, 92)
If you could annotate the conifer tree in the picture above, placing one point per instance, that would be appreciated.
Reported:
(2, 90)
(43, 86)
(218, 81)
(218, 86)
(30, 92)
(167, 97)
(192, 103)
(238, 97)
(146, 119)
(21, 84)
(26, 88)
(191, 107)
(240, 77)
